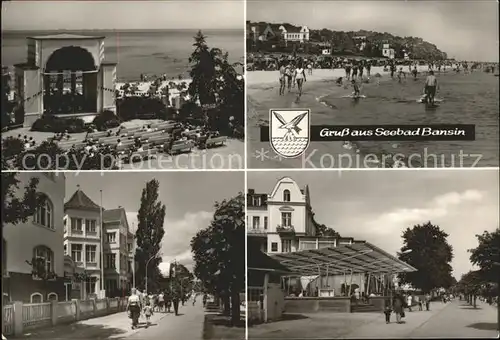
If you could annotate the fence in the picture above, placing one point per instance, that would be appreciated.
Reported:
(19, 316)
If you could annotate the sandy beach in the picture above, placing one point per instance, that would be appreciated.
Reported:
(390, 103)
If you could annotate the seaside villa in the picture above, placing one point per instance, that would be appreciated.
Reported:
(65, 75)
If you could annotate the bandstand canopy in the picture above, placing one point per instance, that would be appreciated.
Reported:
(343, 259)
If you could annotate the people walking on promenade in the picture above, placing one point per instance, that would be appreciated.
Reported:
(148, 312)
(418, 300)
(427, 302)
(387, 312)
(161, 302)
(398, 307)
(409, 301)
(134, 307)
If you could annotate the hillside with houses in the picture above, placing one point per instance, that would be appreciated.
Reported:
(285, 37)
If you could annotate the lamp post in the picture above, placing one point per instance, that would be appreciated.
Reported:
(147, 263)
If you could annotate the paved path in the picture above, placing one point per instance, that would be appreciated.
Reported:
(188, 325)
(455, 319)
(451, 320)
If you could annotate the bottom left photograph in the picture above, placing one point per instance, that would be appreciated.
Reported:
(123, 255)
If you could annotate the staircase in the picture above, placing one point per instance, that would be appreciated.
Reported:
(364, 308)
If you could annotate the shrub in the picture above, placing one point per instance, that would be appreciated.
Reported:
(11, 148)
(50, 123)
(43, 157)
(129, 108)
(106, 120)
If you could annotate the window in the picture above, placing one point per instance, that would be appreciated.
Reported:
(256, 201)
(265, 222)
(76, 225)
(111, 261)
(130, 266)
(286, 219)
(129, 247)
(90, 253)
(76, 252)
(90, 226)
(256, 222)
(47, 255)
(52, 297)
(36, 298)
(44, 214)
(286, 196)
(65, 249)
(90, 285)
(274, 246)
(4, 257)
(286, 246)
(111, 285)
(111, 237)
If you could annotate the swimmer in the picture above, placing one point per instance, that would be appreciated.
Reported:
(339, 81)
(414, 72)
(356, 93)
(288, 73)
(430, 88)
(282, 78)
(401, 73)
(348, 71)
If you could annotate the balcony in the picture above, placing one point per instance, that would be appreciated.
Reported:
(281, 229)
(256, 232)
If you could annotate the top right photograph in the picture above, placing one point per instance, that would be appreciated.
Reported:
(375, 84)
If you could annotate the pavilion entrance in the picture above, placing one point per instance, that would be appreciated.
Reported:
(70, 81)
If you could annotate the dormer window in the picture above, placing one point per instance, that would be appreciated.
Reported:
(257, 202)
(286, 196)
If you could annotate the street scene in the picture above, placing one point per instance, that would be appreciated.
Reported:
(85, 256)
(327, 258)
(367, 63)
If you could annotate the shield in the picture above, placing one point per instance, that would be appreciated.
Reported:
(289, 131)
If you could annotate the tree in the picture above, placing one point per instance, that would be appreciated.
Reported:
(219, 254)
(323, 230)
(149, 234)
(487, 255)
(430, 254)
(203, 71)
(16, 209)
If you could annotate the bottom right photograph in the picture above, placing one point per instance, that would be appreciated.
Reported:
(373, 254)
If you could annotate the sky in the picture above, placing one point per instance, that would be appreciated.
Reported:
(466, 30)
(189, 198)
(115, 14)
(377, 206)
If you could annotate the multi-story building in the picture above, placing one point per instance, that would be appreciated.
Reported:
(118, 252)
(38, 239)
(82, 241)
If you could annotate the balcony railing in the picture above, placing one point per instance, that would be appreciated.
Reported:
(285, 229)
(257, 231)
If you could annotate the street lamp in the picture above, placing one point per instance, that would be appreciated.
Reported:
(147, 263)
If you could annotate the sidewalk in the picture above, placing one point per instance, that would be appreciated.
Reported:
(113, 326)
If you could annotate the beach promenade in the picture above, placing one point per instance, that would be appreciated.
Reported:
(187, 325)
(455, 319)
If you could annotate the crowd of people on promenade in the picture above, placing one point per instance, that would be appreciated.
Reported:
(162, 301)
(402, 301)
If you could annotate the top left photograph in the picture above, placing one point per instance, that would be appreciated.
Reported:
(123, 85)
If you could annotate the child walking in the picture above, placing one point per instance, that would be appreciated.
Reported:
(387, 312)
(148, 312)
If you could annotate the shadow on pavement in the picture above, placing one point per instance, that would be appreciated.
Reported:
(485, 326)
(292, 317)
(75, 331)
(471, 307)
(217, 326)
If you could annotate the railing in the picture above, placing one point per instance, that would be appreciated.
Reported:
(285, 229)
(8, 320)
(256, 231)
(19, 317)
(36, 313)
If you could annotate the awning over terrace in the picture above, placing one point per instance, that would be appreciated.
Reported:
(343, 259)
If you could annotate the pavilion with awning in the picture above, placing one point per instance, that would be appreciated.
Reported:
(341, 272)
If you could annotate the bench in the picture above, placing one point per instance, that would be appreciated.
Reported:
(160, 140)
(140, 155)
(96, 135)
(124, 146)
(215, 141)
(129, 132)
(150, 135)
(66, 145)
(180, 147)
(109, 140)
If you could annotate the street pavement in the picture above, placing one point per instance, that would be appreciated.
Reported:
(187, 325)
(455, 319)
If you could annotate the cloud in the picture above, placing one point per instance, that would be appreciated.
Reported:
(392, 221)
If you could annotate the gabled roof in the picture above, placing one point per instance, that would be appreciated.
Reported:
(257, 260)
(112, 215)
(80, 201)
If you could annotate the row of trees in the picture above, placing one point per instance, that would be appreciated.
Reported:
(219, 254)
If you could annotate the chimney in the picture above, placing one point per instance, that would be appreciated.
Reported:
(251, 191)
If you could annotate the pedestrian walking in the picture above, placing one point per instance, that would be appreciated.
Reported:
(161, 302)
(427, 302)
(387, 312)
(398, 307)
(134, 307)
(148, 312)
(409, 301)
